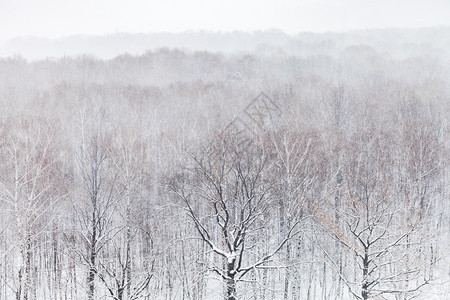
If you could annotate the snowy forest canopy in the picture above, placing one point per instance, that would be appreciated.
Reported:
(313, 167)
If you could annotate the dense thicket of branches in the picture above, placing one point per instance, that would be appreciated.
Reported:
(121, 179)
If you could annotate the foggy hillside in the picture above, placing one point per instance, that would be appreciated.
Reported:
(397, 42)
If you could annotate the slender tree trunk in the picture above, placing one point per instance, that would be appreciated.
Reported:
(365, 284)
(288, 271)
(92, 257)
(19, 290)
(128, 241)
(231, 289)
(231, 282)
(324, 281)
(26, 286)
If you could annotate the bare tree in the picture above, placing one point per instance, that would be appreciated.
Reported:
(227, 194)
(297, 171)
(96, 213)
(115, 266)
(373, 229)
(30, 195)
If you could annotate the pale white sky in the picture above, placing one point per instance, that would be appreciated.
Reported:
(56, 18)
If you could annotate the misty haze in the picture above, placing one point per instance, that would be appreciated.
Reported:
(208, 151)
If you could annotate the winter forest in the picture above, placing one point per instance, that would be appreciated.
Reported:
(311, 166)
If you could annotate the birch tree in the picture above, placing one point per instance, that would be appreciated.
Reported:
(28, 190)
(95, 211)
(119, 268)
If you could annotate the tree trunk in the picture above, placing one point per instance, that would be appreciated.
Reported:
(231, 289)
(365, 284)
(231, 282)
(26, 286)
(288, 271)
(92, 257)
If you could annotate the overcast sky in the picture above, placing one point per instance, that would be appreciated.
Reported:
(57, 18)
